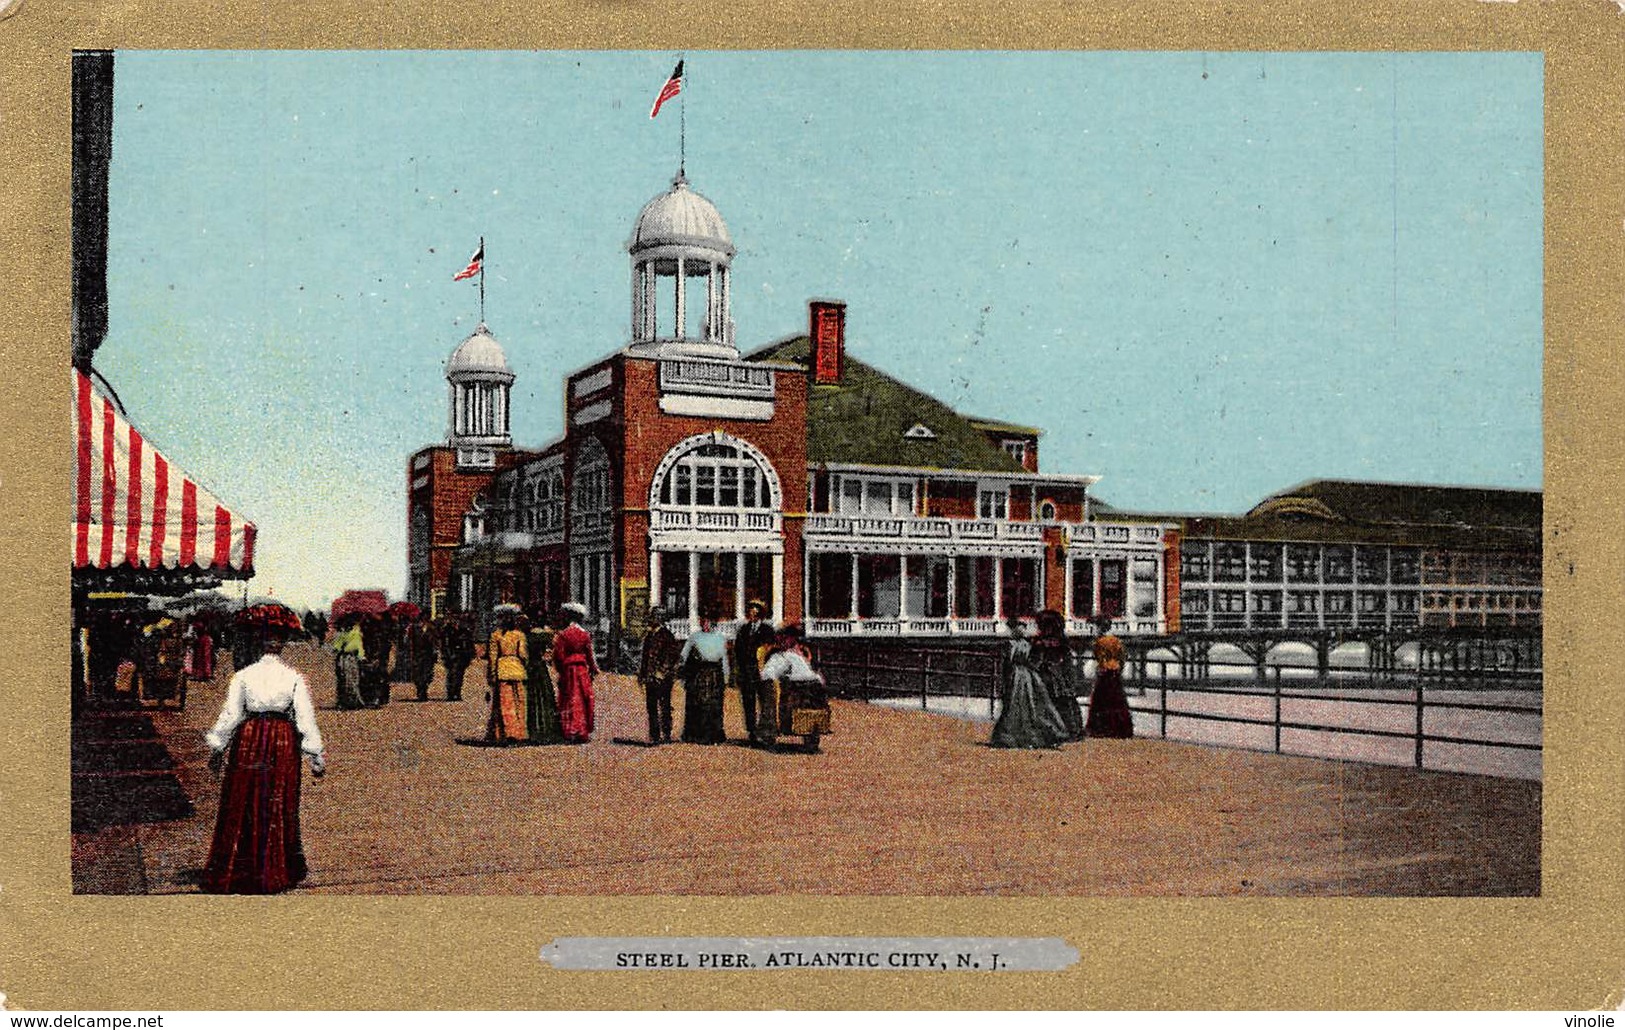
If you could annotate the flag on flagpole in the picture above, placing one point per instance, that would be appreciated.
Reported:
(673, 86)
(473, 268)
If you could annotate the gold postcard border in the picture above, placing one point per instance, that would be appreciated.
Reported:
(1560, 950)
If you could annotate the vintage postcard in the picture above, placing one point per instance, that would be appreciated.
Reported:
(729, 512)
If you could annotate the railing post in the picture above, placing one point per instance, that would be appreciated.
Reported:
(994, 681)
(925, 683)
(1162, 707)
(1277, 711)
(863, 650)
(1421, 707)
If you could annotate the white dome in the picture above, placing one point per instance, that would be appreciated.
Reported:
(681, 217)
(480, 353)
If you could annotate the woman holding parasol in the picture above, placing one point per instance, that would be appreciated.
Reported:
(267, 721)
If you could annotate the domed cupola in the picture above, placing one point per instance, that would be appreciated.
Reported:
(479, 379)
(680, 241)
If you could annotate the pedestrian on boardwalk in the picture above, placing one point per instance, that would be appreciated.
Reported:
(420, 648)
(505, 673)
(576, 666)
(349, 652)
(200, 659)
(456, 653)
(377, 637)
(1053, 663)
(1109, 714)
(796, 702)
(267, 721)
(1029, 718)
(657, 669)
(704, 663)
(541, 706)
(753, 636)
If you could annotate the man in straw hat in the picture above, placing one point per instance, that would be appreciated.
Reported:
(754, 634)
(576, 666)
(656, 671)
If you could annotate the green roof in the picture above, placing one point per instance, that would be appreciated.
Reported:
(1406, 504)
(1345, 511)
(862, 421)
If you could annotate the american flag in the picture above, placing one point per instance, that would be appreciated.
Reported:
(673, 86)
(473, 268)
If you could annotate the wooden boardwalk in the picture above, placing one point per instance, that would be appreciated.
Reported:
(900, 802)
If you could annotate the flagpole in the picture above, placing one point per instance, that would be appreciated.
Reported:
(682, 123)
(482, 280)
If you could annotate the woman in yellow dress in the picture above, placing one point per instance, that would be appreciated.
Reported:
(505, 660)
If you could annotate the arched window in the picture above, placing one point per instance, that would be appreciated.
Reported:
(1046, 511)
(719, 472)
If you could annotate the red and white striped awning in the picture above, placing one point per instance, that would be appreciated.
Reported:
(132, 508)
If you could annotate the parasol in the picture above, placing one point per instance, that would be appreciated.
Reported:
(362, 602)
(405, 611)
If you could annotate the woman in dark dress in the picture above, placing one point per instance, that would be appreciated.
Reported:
(1029, 719)
(704, 664)
(1109, 714)
(1052, 661)
(541, 704)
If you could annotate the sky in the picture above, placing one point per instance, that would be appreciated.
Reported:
(1206, 276)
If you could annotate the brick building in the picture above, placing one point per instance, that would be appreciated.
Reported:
(695, 477)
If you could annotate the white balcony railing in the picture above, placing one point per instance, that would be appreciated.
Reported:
(719, 378)
(706, 520)
(958, 627)
(879, 527)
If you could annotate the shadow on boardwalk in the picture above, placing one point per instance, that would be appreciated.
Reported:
(899, 803)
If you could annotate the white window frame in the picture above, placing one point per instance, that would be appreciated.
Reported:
(895, 505)
(993, 501)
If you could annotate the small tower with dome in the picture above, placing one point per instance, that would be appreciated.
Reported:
(479, 382)
(681, 265)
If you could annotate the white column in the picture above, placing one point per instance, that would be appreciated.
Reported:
(1094, 571)
(654, 578)
(682, 326)
(777, 600)
(1066, 602)
(693, 588)
(722, 316)
(739, 585)
(998, 590)
(854, 588)
(953, 589)
(711, 295)
(902, 587)
(646, 297)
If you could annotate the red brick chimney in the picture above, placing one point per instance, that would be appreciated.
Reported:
(827, 328)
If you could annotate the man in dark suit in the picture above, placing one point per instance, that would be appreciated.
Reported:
(656, 671)
(456, 653)
(755, 633)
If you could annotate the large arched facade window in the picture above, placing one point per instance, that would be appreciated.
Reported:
(716, 536)
(715, 471)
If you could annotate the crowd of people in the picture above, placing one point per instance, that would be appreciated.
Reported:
(1040, 689)
(540, 674)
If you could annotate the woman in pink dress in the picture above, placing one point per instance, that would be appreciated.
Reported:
(574, 662)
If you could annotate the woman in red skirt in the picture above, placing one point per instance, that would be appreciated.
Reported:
(267, 721)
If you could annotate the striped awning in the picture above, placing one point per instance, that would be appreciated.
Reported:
(132, 508)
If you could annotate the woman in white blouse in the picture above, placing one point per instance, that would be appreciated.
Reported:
(267, 721)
